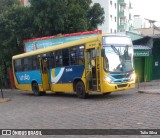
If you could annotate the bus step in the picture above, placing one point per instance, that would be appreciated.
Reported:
(48, 92)
(94, 87)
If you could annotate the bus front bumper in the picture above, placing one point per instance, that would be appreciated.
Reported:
(107, 87)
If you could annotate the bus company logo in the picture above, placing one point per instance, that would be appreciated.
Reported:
(24, 77)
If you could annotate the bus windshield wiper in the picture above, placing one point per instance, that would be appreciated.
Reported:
(117, 52)
(121, 65)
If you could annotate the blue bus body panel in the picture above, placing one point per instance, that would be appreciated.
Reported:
(66, 74)
(28, 76)
(56, 75)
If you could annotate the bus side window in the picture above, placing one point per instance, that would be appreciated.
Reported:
(51, 60)
(77, 55)
(27, 64)
(80, 54)
(73, 57)
(35, 63)
(65, 55)
(58, 58)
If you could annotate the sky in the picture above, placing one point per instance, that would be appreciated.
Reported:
(147, 8)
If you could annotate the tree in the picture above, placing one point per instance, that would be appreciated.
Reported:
(13, 29)
(65, 16)
(95, 16)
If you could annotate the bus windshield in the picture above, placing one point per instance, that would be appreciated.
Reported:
(118, 57)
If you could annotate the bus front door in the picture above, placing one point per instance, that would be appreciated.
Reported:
(45, 74)
(92, 70)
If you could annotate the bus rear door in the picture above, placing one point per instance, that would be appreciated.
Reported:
(44, 73)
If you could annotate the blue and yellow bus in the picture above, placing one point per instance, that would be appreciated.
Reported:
(102, 63)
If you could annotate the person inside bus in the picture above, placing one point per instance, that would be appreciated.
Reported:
(121, 67)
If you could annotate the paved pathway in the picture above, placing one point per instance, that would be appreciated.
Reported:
(120, 110)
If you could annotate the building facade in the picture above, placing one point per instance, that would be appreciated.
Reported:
(110, 9)
(139, 22)
(125, 16)
(118, 17)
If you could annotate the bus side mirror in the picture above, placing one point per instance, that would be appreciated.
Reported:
(103, 52)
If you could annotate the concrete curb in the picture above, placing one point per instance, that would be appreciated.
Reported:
(2, 100)
(156, 91)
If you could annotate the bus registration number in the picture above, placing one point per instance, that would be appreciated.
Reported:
(69, 70)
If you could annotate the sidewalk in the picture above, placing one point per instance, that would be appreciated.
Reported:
(2, 97)
(152, 87)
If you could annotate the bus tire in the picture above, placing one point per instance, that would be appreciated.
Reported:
(80, 90)
(35, 89)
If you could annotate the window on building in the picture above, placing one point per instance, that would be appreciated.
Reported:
(122, 21)
(115, 19)
(130, 16)
(111, 17)
(130, 5)
(111, 2)
(110, 30)
(122, 8)
(115, 5)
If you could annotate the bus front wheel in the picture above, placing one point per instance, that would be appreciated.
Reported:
(35, 90)
(80, 90)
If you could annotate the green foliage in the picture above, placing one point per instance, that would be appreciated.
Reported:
(65, 16)
(95, 16)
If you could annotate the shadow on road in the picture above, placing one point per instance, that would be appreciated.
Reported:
(94, 96)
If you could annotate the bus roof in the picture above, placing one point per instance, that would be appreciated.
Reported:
(65, 45)
(61, 46)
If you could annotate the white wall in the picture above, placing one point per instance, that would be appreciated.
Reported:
(113, 13)
(110, 11)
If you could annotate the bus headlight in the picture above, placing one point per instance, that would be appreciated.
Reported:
(108, 79)
(132, 77)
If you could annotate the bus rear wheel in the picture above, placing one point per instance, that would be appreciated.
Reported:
(80, 90)
(36, 91)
